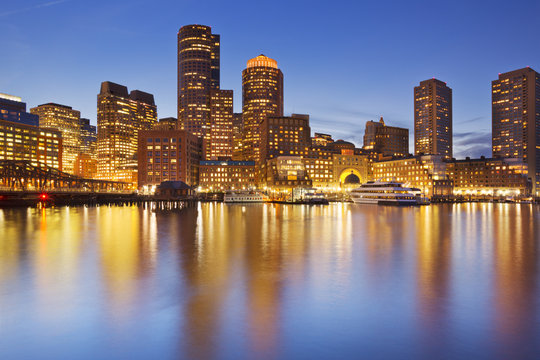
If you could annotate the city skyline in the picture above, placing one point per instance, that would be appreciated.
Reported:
(385, 67)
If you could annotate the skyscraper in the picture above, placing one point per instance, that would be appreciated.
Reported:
(220, 144)
(120, 117)
(516, 119)
(198, 73)
(262, 96)
(67, 121)
(433, 118)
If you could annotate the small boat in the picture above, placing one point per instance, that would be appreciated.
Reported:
(422, 200)
(244, 196)
(384, 193)
(315, 198)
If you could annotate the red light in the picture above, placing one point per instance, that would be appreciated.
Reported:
(43, 196)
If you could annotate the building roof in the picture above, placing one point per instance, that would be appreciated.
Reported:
(141, 96)
(56, 105)
(262, 61)
(173, 185)
(110, 88)
(342, 143)
(226, 163)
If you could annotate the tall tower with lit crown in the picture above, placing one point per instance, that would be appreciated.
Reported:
(262, 96)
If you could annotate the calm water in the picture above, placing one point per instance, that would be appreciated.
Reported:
(271, 281)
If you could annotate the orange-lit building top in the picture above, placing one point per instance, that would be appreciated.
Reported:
(261, 61)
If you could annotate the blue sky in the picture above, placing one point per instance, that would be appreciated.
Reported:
(344, 62)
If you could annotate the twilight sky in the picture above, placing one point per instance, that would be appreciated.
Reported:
(344, 62)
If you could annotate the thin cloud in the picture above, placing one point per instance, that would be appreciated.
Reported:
(478, 118)
(470, 138)
(475, 151)
(30, 8)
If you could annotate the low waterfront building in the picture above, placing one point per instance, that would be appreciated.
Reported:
(487, 177)
(286, 172)
(168, 155)
(174, 189)
(22, 139)
(425, 172)
(350, 170)
(319, 166)
(226, 175)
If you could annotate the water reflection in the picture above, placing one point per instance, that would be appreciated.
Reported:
(270, 281)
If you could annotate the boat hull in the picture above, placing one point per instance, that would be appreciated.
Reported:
(396, 202)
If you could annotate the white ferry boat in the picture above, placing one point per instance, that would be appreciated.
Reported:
(384, 193)
(245, 196)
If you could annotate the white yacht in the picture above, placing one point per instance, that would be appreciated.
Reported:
(384, 193)
(244, 196)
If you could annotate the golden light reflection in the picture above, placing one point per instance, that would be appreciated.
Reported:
(121, 256)
(516, 268)
(434, 249)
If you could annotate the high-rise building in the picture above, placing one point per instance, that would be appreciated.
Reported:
(433, 118)
(86, 160)
(219, 145)
(516, 119)
(120, 117)
(262, 96)
(22, 139)
(386, 140)
(66, 120)
(198, 73)
(88, 134)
